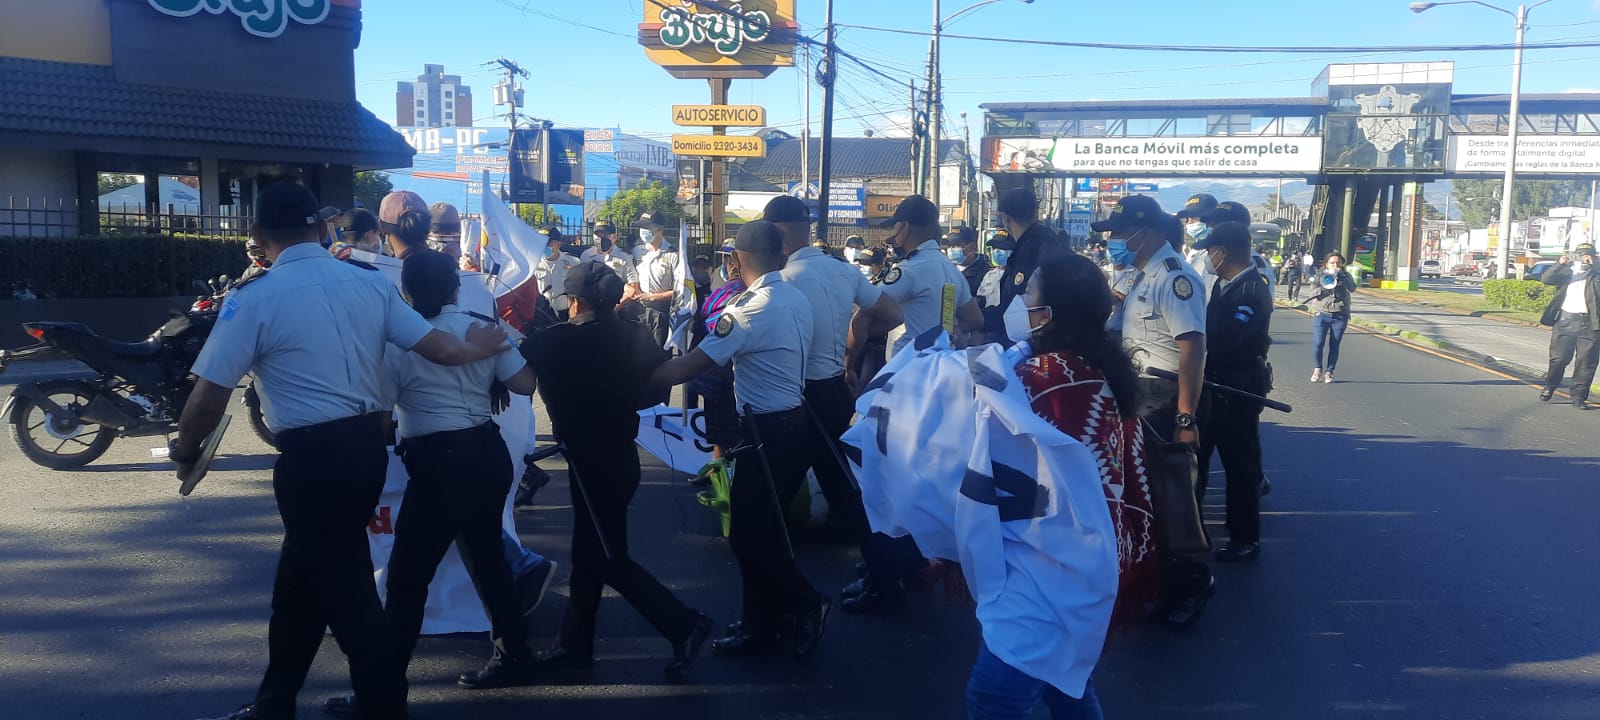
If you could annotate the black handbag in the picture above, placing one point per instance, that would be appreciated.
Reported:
(1175, 474)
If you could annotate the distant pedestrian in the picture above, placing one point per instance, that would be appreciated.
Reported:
(1331, 315)
(1575, 317)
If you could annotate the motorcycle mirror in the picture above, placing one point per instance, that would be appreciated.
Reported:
(225, 281)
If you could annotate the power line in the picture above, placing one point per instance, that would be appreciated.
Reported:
(1286, 49)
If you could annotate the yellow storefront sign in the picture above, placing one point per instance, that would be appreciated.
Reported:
(719, 115)
(747, 146)
(748, 39)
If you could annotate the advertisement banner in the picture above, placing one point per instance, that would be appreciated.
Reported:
(1155, 156)
(702, 40)
(847, 201)
(529, 161)
(1540, 154)
(693, 176)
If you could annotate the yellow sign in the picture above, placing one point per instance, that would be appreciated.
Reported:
(719, 115)
(882, 206)
(740, 39)
(719, 145)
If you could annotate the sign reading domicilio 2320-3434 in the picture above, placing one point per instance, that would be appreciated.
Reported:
(262, 18)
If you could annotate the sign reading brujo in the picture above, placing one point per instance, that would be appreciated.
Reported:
(262, 18)
(748, 38)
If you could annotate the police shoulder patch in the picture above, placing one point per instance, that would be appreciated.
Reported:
(891, 277)
(1019, 278)
(1172, 264)
(724, 325)
(1182, 287)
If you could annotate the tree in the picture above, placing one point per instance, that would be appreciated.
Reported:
(1479, 200)
(112, 182)
(370, 187)
(624, 208)
(534, 215)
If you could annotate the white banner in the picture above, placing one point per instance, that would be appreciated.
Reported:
(682, 446)
(1145, 157)
(1547, 154)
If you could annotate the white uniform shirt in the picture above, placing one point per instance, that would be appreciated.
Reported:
(766, 332)
(618, 260)
(657, 271)
(989, 288)
(917, 283)
(833, 290)
(1573, 301)
(552, 274)
(433, 398)
(1165, 301)
(314, 330)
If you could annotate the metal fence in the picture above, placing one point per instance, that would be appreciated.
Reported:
(40, 218)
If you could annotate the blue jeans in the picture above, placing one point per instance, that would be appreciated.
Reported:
(520, 558)
(997, 691)
(1325, 328)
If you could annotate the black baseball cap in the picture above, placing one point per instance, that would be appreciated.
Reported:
(604, 226)
(1584, 249)
(358, 220)
(595, 283)
(1197, 206)
(1231, 235)
(855, 241)
(285, 205)
(870, 256)
(1133, 211)
(1019, 203)
(959, 236)
(651, 217)
(786, 209)
(1002, 240)
(1226, 211)
(761, 236)
(915, 210)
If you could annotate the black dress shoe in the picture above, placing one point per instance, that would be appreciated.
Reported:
(249, 712)
(685, 652)
(809, 627)
(738, 643)
(1239, 552)
(1546, 394)
(342, 706)
(856, 587)
(1580, 403)
(558, 658)
(873, 602)
(1187, 611)
(498, 674)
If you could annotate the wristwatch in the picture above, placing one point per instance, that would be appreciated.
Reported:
(1185, 421)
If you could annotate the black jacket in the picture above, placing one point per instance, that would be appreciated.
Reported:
(975, 271)
(1238, 321)
(1561, 277)
(1024, 260)
(588, 407)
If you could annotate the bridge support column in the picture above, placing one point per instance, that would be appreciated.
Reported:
(1407, 233)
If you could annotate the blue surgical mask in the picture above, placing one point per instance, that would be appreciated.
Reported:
(550, 253)
(1117, 250)
(957, 255)
(1000, 257)
(1198, 231)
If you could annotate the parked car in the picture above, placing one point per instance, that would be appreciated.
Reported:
(1431, 268)
(1464, 270)
(1538, 270)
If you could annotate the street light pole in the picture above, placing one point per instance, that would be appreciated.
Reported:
(936, 93)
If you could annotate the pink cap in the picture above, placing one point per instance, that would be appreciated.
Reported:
(399, 203)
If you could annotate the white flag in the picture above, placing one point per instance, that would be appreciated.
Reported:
(510, 243)
(683, 305)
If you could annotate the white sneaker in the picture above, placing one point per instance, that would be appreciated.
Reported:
(1316, 375)
(1327, 377)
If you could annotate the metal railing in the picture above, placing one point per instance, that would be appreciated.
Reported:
(33, 217)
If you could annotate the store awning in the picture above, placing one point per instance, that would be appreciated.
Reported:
(70, 106)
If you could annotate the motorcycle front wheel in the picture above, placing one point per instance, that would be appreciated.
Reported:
(258, 422)
(61, 442)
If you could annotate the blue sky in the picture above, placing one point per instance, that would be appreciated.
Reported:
(588, 70)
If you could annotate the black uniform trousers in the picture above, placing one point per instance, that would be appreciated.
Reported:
(833, 404)
(1233, 430)
(609, 473)
(774, 586)
(327, 481)
(456, 494)
(1572, 339)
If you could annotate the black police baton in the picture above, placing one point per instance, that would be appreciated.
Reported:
(760, 449)
(1236, 392)
(833, 447)
(577, 482)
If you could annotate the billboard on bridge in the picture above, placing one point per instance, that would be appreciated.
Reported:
(1148, 156)
(1536, 154)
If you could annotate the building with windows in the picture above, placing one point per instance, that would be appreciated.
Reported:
(434, 100)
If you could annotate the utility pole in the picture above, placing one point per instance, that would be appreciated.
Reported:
(826, 170)
(805, 130)
(935, 107)
(918, 148)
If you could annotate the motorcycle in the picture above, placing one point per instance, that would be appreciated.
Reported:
(138, 389)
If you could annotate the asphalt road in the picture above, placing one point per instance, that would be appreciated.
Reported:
(1446, 284)
(1429, 553)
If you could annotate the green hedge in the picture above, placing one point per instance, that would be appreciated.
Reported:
(1529, 295)
(113, 267)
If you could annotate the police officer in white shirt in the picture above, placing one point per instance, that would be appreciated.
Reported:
(313, 330)
(657, 273)
(552, 273)
(766, 332)
(920, 281)
(839, 333)
(1163, 326)
(605, 250)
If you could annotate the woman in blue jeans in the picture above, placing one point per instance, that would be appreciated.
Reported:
(1331, 309)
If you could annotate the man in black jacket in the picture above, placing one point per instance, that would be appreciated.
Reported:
(1238, 318)
(1575, 317)
(961, 246)
(1019, 213)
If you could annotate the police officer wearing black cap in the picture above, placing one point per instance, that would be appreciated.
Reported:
(1019, 214)
(1163, 325)
(766, 332)
(313, 331)
(597, 423)
(961, 246)
(1001, 247)
(1238, 323)
(1204, 213)
(918, 283)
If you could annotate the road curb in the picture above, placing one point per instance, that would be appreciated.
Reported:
(1399, 297)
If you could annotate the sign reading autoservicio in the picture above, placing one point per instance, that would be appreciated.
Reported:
(262, 18)
(719, 115)
(719, 145)
(1542, 154)
(1154, 156)
(742, 38)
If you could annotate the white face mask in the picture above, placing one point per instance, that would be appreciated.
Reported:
(1202, 264)
(1579, 266)
(851, 254)
(1018, 327)
(647, 236)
